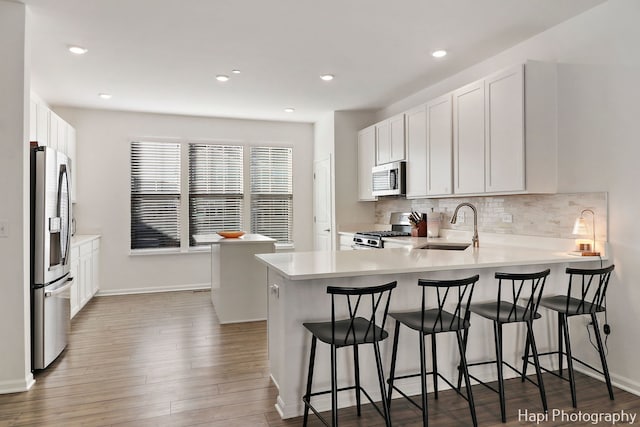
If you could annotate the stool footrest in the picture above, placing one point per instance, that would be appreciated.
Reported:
(575, 359)
(427, 374)
(493, 362)
(353, 387)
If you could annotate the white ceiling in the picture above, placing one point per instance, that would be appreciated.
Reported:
(163, 55)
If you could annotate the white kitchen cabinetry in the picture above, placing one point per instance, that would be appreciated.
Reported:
(346, 240)
(439, 146)
(85, 269)
(504, 131)
(71, 153)
(366, 161)
(390, 140)
(416, 120)
(42, 124)
(468, 138)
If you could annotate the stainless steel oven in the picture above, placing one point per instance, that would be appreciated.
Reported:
(389, 179)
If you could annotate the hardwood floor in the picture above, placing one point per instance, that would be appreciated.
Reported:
(164, 360)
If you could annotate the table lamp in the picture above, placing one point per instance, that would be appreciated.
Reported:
(580, 228)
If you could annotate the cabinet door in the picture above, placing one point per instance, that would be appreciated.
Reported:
(383, 142)
(439, 146)
(504, 131)
(71, 153)
(95, 267)
(397, 136)
(417, 153)
(62, 135)
(74, 272)
(366, 160)
(53, 130)
(468, 138)
(42, 125)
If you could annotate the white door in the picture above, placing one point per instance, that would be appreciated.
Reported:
(322, 233)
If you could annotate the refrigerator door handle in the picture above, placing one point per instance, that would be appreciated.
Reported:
(60, 289)
(66, 227)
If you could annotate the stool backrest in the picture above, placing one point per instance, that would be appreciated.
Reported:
(592, 287)
(460, 298)
(374, 308)
(525, 287)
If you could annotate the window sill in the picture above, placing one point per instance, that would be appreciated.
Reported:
(169, 251)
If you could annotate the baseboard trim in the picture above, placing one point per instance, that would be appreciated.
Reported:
(154, 289)
(17, 386)
(622, 383)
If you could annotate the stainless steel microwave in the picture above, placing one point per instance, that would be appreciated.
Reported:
(389, 179)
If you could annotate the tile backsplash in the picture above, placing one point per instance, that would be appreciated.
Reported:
(544, 215)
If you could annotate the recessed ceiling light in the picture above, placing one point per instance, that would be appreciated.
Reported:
(78, 50)
(105, 95)
(439, 53)
(222, 78)
(289, 110)
(327, 77)
(235, 71)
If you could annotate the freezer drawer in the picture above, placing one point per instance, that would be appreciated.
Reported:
(51, 321)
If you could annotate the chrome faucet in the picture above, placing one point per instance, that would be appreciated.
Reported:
(454, 218)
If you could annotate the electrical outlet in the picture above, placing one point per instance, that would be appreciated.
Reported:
(461, 217)
(507, 217)
(4, 228)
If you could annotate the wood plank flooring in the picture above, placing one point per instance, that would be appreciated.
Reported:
(164, 360)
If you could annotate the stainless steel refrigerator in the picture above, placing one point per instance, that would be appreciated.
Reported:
(50, 250)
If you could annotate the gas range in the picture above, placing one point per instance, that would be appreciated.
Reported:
(373, 239)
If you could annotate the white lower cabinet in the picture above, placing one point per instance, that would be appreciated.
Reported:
(346, 240)
(85, 269)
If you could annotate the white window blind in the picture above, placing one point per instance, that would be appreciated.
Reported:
(272, 192)
(215, 189)
(155, 195)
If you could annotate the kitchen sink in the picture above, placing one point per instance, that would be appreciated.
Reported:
(446, 246)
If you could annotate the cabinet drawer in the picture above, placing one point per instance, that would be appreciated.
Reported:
(95, 244)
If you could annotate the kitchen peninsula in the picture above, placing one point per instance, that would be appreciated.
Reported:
(297, 293)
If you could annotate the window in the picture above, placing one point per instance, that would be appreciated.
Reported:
(215, 189)
(181, 189)
(272, 192)
(155, 195)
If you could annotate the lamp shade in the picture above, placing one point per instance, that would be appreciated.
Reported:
(580, 227)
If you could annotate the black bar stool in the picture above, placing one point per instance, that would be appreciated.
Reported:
(587, 297)
(432, 322)
(525, 289)
(351, 332)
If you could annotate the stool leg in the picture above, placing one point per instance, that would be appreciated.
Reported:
(536, 362)
(560, 336)
(356, 368)
(307, 398)
(464, 346)
(467, 380)
(423, 380)
(567, 343)
(434, 361)
(603, 357)
(385, 407)
(392, 373)
(334, 387)
(497, 327)
(525, 359)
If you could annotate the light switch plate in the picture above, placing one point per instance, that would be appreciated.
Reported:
(507, 217)
(461, 217)
(4, 228)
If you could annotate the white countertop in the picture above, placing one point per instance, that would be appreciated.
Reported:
(217, 239)
(317, 265)
(79, 239)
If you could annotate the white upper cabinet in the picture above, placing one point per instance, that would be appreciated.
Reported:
(439, 146)
(397, 136)
(417, 170)
(383, 142)
(468, 138)
(42, 124)
(390, 140)
(71, 153)
(366, 161)
(504, 131)
(33, 125)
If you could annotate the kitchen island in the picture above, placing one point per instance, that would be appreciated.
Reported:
(238, 290)
(297, 293)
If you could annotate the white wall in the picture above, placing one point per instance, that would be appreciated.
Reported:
(598, 112)
(336, 136)
(103, 188)
(15, 353)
